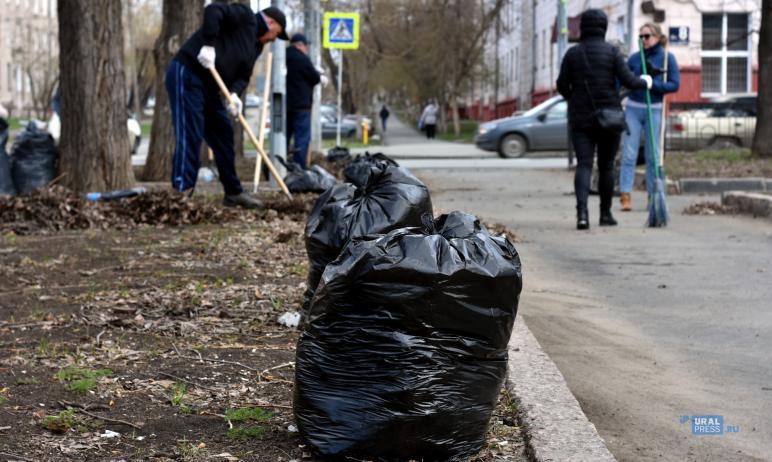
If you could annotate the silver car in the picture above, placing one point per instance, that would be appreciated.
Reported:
(542, 128)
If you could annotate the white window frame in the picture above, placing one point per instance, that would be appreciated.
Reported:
(725, 54)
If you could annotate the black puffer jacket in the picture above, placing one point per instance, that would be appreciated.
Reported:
(606, 67)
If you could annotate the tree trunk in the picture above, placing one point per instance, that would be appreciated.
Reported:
(180, 19)
(762, 140)
(94, 147)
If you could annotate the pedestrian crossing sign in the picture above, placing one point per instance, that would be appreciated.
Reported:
(341, 30)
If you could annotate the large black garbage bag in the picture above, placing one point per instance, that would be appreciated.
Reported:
(6, 181)
(359, 170)
(33, 163)
(339, 154)
(405, 347)
(392, 198)
(314, 179)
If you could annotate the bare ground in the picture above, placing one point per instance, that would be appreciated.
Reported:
(161, 334)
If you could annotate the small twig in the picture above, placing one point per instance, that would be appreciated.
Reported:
(204, 387)
(220, 361)
(280, 366)
(89, 407)
(106, 419)
(15, 457)
(98, 343)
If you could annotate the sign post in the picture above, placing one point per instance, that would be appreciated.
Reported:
(341, 31)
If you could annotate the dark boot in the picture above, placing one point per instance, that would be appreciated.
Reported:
(582, 219)
(243, 200)
(607, 219)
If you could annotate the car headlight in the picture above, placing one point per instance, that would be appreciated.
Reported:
(485, 128)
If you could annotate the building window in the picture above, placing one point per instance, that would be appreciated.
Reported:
(726, 53)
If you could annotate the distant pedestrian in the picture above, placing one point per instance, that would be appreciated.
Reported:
(384, 117)
(302, 77)
(428, 119)
(587, 80)
(635, 109)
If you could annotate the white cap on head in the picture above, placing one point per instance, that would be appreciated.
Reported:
(3, 112)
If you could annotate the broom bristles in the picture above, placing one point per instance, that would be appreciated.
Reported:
(658, 215)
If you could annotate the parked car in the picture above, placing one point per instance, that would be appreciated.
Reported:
(330, 127)
(542, 128)
(54, 127)
(251, 101)
(726, 123)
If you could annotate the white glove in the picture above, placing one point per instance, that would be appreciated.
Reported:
(235, 106)
(206, 56)
(323, 78)
(320, 70)
(648, 80)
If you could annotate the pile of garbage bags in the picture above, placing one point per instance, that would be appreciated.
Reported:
(32, 163)
(407, 318)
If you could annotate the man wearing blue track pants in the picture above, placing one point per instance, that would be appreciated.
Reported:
(231, 39)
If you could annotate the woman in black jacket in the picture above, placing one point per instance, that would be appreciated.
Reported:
(588, 81)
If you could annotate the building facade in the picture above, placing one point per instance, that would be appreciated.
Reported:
(29, 45)
(714, 41)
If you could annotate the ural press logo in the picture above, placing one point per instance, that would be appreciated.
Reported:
(708, 425)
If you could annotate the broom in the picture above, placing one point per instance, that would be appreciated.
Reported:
(658, 215)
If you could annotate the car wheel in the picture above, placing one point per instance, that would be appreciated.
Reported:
(135, 146)
(512, 146)
(724, 142)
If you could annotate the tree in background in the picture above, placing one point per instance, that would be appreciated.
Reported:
(762, 140)
(180, 19)
(94, 146)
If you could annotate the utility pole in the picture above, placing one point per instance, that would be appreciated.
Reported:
(562, 30)
(278, 146)
(313, 30)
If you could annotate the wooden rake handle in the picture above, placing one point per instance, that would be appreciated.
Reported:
(251, 135)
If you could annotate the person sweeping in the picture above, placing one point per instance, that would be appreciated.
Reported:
(658, 214)
(231, 39)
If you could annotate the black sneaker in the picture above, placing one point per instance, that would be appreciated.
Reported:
(582, 220)
(607, 219)
(243, 200)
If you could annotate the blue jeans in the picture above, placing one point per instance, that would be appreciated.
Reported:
(638, 126)
(199, 114)
(299, 124)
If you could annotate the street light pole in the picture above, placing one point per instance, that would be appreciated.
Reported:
(313, 21)
(278, 146)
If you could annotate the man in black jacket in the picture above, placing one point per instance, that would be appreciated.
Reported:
(301, 79)
(588, 81)
(231, 39)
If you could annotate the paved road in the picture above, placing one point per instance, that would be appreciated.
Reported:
(647, 325)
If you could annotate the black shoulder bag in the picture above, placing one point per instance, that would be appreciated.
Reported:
(609, 118)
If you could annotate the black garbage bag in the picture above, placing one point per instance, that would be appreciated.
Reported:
(6, 180)
(314, 179)
(33, 159)
(358, 170)
(339, 154)
(391, 199)
(405, 347)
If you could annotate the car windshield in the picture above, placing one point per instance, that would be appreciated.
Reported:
(537, 109)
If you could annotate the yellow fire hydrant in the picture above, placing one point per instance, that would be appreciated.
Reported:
(364, 132)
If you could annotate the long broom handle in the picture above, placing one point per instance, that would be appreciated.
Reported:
(664, 113)
(251, 135)
(654, 155)
(263, 115)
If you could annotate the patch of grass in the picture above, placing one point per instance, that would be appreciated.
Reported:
(248, 432)
(297, 269)
(351, 143)
(177, 399)
(187, 448)
(61, 422)
(3, 399)
(27, 381)
(248, 413)
(277, 304)
(146, 126)
(468, 130)
(81, 380)
(732, 163)
(44, 347)
(10, 237)
(243, 415)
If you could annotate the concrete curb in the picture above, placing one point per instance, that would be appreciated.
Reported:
(758, 205)
(554, 424)
(720, 185)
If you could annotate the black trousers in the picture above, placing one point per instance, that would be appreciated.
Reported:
(585, 143)
(430, 130)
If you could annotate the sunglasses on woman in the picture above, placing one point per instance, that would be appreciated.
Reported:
(645, 36)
